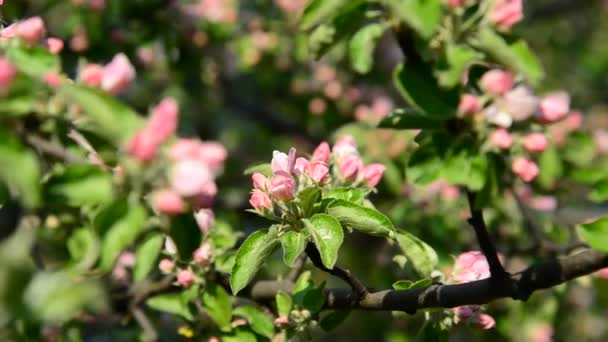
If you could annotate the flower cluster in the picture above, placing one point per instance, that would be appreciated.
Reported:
(340, 165)
(113, 77)
(471, 266)
(504, 103)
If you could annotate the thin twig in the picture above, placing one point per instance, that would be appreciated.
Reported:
(52, 149)
(298, 268)
(150, 332)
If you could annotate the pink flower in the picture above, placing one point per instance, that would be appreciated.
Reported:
(290, 6)
(282, 186)
(467, 259)
(202, 255)
(163, 122)
(321, 153)
(260, 182)
(168, 202)
(543, 203)
(526, 169)
(318, 172)
(466, 276)
(450, 193)
(31, 30)
(456, 3)
(501, 139)
(91, 75)
(464, 312)
(142, 146)
(521, 103)
(205, 198)
(372, 174)
(542, 333)
(118, 74)
(214, 154)
(301, 166)
(574, 120)
(554, 106)
(469, 104)
(9, 32)
(188, 177)
(497, 82)
(97, 5)
(7, 73)
(52, 79)
(345, 145)
(55, 45)
(282, 162)
(349, 166)
(204, 219)
(507, 13)
(185, 149)
(317, 106)
(166, 266)
(281, 320)
(260, 201)
(79, 41)
(485, 321)
(185, 278)
(535, 142)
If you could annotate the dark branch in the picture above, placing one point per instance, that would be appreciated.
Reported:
(145, 324)
(522, 285)
(52, 149)
(298, 268)
(485, 243)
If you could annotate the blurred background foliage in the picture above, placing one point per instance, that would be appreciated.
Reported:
(249, 81)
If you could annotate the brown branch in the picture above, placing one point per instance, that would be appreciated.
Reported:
(145, 324)
(298, 268)
(520, 286)
(52, 149)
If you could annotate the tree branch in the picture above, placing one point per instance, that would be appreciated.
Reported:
(145, 324)
(53, 149)
(521, 286)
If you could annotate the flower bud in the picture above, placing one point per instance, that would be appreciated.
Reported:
(345, 146)
(91, 75)
(321, 153)
(497, 82)
(506, 13)
(214, 154)
(206, 196)
(204, 219)
(280, 162)
(349, 167)
(485, 321)
(372, 174)
(501, 139)
(469, 104)
(521, 103)
(166, 266)
(7, 73)
(52, 79)
(456, 3)
(282, 187)
(281, 321)
(526, 169)
(163, 122)
(118, 74)
(202, 255)
(189, 177)
(31, 30)
(260, 201)
(9, 32)
(261, 182)
(464, 312)
(185, 278)
(554, 106)
(318, 172)
(535, 142)
(55, 45)
(302, 165)
(142, 146)
(168, 202)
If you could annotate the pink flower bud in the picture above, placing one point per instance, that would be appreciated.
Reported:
(31, 30)
(554, 106)
(163, 122)
(535, 142)
(521, 103)
(91, 75)
(469, 104)
(206, 197)
(464, 312)
(260, 182)
(507, 13)
(321, 153)
(185, 278)
(9, 32)
(349, 166)
(185, 149)
(372, 174)
(574, 120)
(166, 266)
(118, 74)
(189, 177)
(345, 145)
(497, 82)
(526, 169)
(52, 79)
(7, 73)
(281, 320)
(168, 202)
(317, 106)
(280, 162)
(485, 321)
(542, 333)
(260, 201)
(282, 187)
(450, 193)
(202, 255)
(501, 139)
(205, 219)
(456, 3)
(467, 259)
(126, 259)
(318, 172)
(79, 41)
(142, 146)
(301, 166)
(55, 45)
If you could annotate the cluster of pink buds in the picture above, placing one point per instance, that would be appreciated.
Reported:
(185, 277)
(471, 266)
(113, 77)
(340, 165)
(505, 102)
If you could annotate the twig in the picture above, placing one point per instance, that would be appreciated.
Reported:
(485, 243)
(358, 287)
(298, 268)
(53, 149)
(144, 322)
(140, 292)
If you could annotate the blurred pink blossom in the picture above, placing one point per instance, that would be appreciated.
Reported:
(372, 174)
(185, 278)
(526, 169)
(535, 142)
(118, 74)
(321, 153)
(188, 177)
(554, 107)
(204, 219)
(168, 202)
(497, 82)
(163, 121)
(55, 45)
(469, 104)
(166, 266)
(501, 139)
(31, 30)
(7, 74)
(202, 255)
(506, 13)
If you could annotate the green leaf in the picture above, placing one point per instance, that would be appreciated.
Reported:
(25, 182)
(284, 303)
(418, 86)
(580, 149)
(465, 167)
(294, 244)
(83, 247)
(319, 11)
(355, 195)
(302, 283)
(121, 234)
(516, 56)
(551, 168)
(600, 191)
(35, 61)
(595, 234)
(240, 334)
(333, 319)
(261, 168)
(365, 220)
(173, 303)
(308, 198)
(422, 256)
(327, 235)
(362, 46)
(422, 15)
(185, 234)
(458, 59)
(110, 118)
(432, 331)
(18, 104)
(251, 256)
(217, 304)
(410, 119)
(147, 255)
(313, 299)
(260, 322)
(410, 285)
(79, 185)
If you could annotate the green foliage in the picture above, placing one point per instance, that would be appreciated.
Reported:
(79, 185)
(251, 256)
(173, 303)
(26, 182)
(421, 15)
(595, 234)
(34, 61)
(293, 244)
(258, 320)
(333, 319)
(365, 220)
(362, 46)
(410, 119)
(422, 256)
(218, 305)
(146, 256)
(327, 235)
(284, 303)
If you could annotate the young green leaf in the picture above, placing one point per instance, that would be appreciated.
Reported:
(293, 244)
(217, 304)
(284, 303)
(362, 46)
(410, 119)
(313, 299)
(147, 255)
(327, 235)
(34, 61)
(551, 168)
(320, 11)
(458, 59)
(422, 15)
(422, 256)
(348, 194)
(79, 185)
(595, 234)
(83, 247)
(121, 234)
(261, 168)
(260, 322)
(251, 256)
(25, 182)
(365, 220)
(308, 198)
(173, 303)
